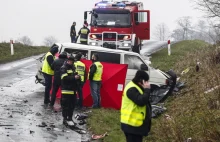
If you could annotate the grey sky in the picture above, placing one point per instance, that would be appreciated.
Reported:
(40, 18)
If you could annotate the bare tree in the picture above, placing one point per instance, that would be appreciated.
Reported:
(185, 24)
(177, 34)
(161, 32)
(210, 7)
(25, 40)
(49, 41)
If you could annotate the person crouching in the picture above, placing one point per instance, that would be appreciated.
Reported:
(68, 89)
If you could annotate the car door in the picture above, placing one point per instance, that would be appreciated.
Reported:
(142, 24)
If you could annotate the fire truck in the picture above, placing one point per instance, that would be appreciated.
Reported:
(118, 25)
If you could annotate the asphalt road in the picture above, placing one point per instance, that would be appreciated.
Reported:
(21, 104)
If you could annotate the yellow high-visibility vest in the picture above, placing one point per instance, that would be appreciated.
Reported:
(131, 113)
(80, 69)
(98, 74)
(84, 33)
(46, 67)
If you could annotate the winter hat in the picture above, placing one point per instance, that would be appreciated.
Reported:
(141, 75)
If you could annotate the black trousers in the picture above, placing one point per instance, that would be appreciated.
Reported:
(80, 94)
(48, 84)
(56, 86)
(133, 138)
(68, 103)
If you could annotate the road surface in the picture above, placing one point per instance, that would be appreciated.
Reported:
(21, 105)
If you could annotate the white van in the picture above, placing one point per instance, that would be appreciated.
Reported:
(158, 79)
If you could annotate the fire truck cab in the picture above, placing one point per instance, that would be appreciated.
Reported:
(119, 25)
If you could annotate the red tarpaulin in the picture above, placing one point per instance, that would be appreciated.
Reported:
(113, 80)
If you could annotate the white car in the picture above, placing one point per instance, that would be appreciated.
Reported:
(162, 84)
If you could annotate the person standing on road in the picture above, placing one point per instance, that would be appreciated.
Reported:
(95, 77)
(136, 108)
(56, 65)
(81, 70)
(73, 33)
(69, 81)
(48, 72)
(83, 33)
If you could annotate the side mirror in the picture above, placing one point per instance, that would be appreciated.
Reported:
(95, 15)
(136, 23)
(144, 67)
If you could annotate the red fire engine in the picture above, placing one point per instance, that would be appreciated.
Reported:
(119, 25)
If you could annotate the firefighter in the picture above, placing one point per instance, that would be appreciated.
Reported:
(136, 108)
(57, 64)
(48, 72)
(68, 90)
(73, 32)
(95, 77)
(81, 70)
(83, 33)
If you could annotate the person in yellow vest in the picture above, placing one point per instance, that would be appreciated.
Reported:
(48, 72)
(95, 77)
(81, 70)
(136, 108)
(83, 33)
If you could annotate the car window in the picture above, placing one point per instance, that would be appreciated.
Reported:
(107, 57)
(134, 62)
(73, 52)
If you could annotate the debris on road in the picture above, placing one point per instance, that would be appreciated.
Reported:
(25, 101)
(38, 114)
(97, 137)
(43, 124)
(31, 132)
(157, 110)
(10, 116)
(212, 89)
(179, 85)
(81, 116)
(185, 71)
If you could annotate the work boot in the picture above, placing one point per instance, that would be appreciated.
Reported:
(65, 122)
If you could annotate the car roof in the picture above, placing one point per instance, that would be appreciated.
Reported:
(97, 48)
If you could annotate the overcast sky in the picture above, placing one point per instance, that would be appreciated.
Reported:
(40, 18)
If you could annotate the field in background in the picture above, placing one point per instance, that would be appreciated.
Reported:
(20, 51)
(192, 114)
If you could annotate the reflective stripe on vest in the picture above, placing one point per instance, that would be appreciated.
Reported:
(132, 114)
(98, 74)
(80, 69)
(46, 67)
(67, 92)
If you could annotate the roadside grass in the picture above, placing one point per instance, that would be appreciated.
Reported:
(20, 51)
(192, 114)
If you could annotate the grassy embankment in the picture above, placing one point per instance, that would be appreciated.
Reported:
(193, 114)
(20, 51)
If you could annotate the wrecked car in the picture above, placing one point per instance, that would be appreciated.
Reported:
(162, 83)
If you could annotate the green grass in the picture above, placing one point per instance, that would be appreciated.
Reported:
(20, 51)
(193, 114)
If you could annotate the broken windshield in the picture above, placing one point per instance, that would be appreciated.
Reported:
(112, 20)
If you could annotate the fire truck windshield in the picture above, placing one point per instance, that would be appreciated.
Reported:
(111, 20)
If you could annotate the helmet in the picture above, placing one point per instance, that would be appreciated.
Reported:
(71, 58)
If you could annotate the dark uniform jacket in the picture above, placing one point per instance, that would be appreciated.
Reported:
(92, 71)
(82, 35)
(141, 100)
(56, 65)
(72, 31)
(68, 81)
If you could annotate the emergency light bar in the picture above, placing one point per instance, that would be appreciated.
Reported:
(105, 4)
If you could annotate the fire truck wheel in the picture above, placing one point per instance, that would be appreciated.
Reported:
(136, 49)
